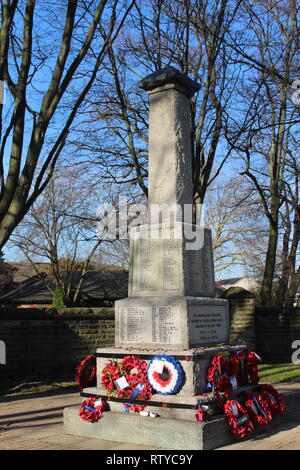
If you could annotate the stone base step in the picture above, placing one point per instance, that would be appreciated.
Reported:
(193, 361)
(168, 406)
(163, 433)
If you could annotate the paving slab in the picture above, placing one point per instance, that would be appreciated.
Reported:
(35, 422)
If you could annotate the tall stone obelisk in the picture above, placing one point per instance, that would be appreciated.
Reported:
(171, 301)
(170, 162)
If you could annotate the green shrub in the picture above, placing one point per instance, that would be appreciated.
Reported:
(58, 298)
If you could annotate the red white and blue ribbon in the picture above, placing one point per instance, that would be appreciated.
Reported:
(165, 374)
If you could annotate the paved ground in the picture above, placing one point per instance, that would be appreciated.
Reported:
(284, 434)
(34, 422)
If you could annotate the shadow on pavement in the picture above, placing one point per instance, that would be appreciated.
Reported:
(49, 393)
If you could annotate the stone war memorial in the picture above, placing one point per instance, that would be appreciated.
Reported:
(172, 380)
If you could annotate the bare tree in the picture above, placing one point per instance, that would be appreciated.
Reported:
(190, 36)
(74, 228)
(289, 277)
(60, 228)
(42, 58)
(233, 212)
(265, 129)
(6, 275)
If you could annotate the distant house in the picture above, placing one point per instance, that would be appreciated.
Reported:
(246, 282)
(100, 288)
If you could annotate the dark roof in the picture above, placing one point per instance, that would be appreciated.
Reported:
(107, 283)
(231, 280)
(24, 270)
(104, 284)
(219, 290)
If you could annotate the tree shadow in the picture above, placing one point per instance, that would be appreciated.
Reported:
(48, 393)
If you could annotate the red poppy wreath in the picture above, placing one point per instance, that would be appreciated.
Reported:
(86, 372)
(127, 379)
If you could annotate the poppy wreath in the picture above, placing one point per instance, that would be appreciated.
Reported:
(238, 367)
(223, 387)
(112, 372)
(136, 375)
(217, 378)
(238, 419)
(201, 415)
(134, 366)
(258, 409)
(273, 399)
(91, 412)
(251, 362)
(134, 370)
(136, 390)
(219, 365)
(170, 380)
(86, 372)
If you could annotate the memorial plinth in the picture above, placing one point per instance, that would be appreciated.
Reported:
(171, 306)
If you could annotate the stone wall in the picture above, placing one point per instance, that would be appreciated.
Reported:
(242, 316)
(275, 333)
(46, 342)
(269, 332)
(50, 342)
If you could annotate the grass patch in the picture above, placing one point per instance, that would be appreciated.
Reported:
(272, 373)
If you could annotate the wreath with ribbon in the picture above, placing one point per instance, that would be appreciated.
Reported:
(201, 414)
(86, 372)
(223, 387)
(112, 372)
(219, 365)
(238, 419)
(251, 362)
(137, 390)
(258, 409)
(134, 370)
(217, 377)
(273, 399)
(238, 367)
(90, 410)
(165, 374)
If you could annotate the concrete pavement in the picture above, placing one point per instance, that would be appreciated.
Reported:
(34, 422)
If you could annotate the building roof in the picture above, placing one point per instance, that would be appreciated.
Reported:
(103, 284)
(245, 282)
(106, 283)
(22, 270)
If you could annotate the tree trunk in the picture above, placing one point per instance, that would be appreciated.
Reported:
(286, 265)
(267, 284)
(292, 291)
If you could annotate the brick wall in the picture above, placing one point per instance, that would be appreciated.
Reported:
(49, 342)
